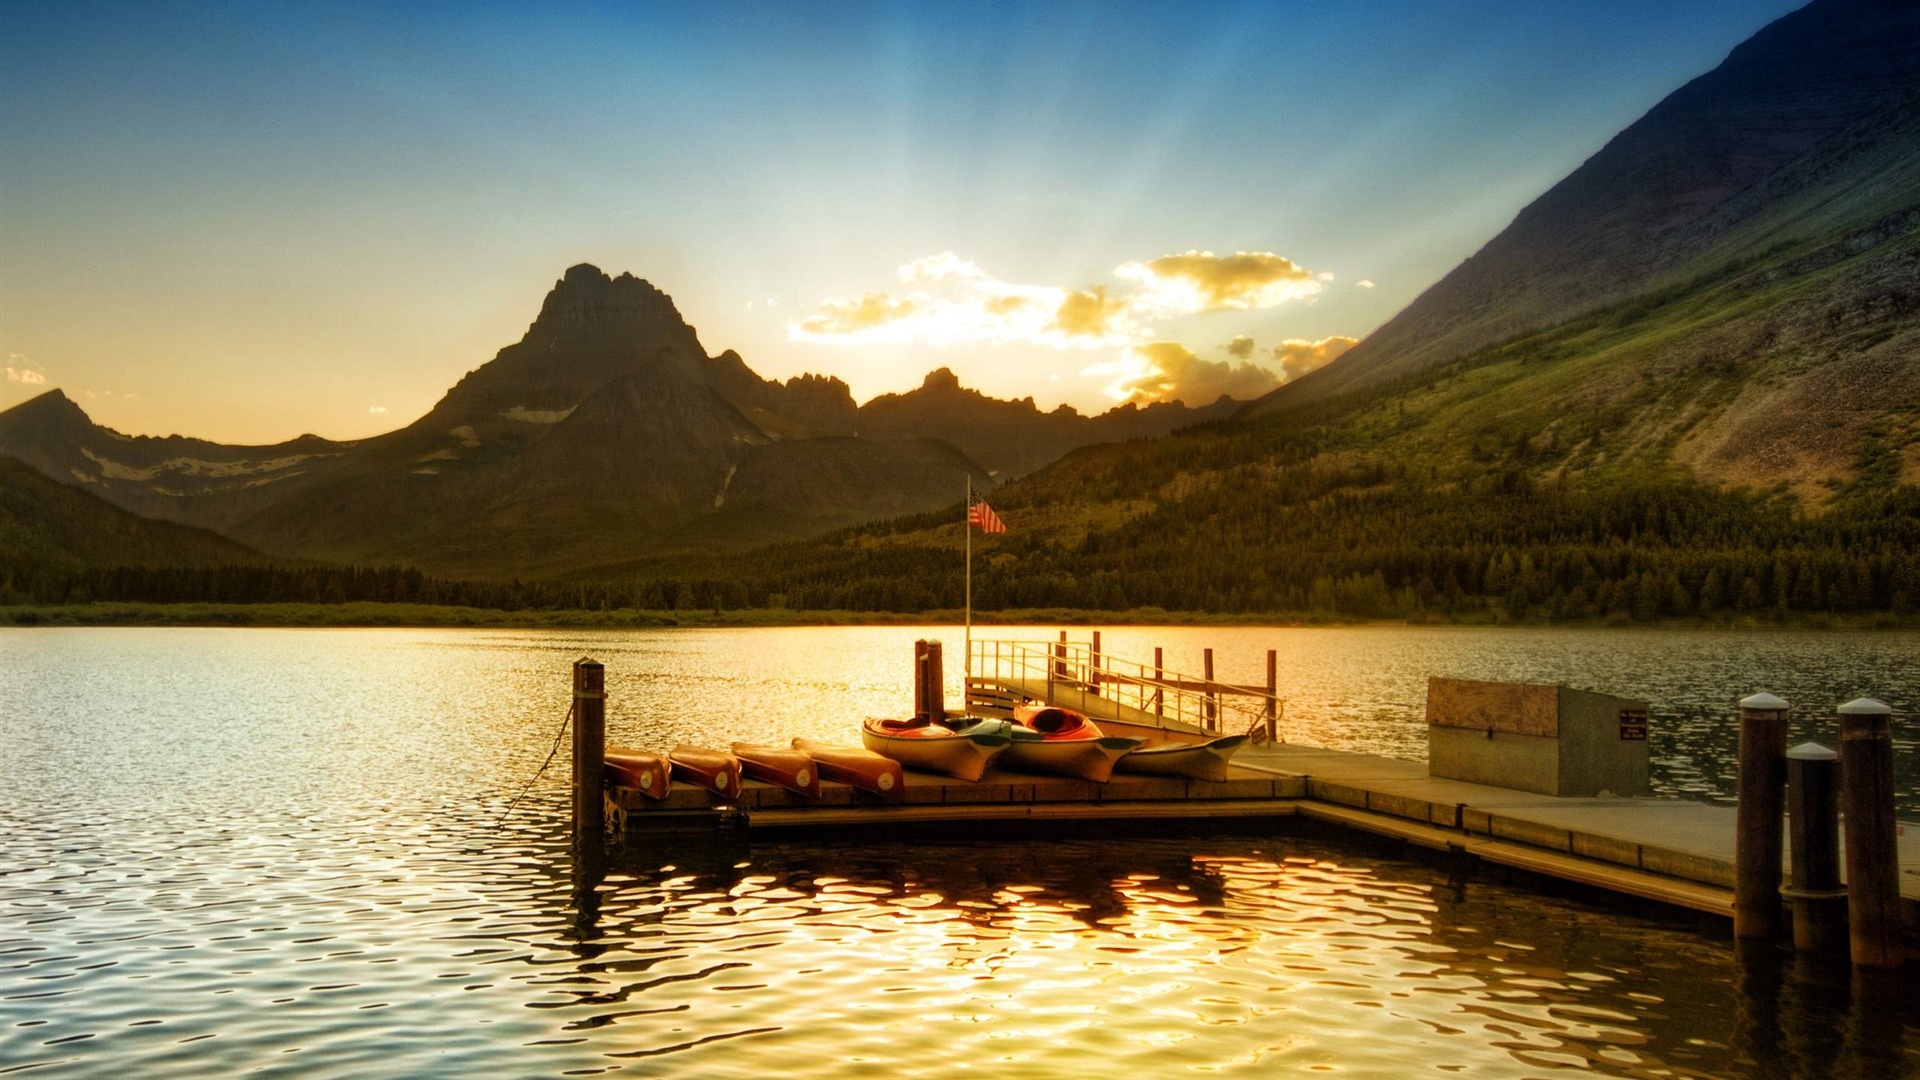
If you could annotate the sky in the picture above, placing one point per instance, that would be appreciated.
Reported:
(247, 222)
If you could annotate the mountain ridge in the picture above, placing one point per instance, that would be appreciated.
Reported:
(1658, 203)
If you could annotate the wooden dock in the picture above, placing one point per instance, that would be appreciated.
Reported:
(1669, 851)
(1666, 850)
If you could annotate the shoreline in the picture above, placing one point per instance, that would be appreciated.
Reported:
(370, 615)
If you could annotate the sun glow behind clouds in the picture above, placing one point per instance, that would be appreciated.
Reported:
(944, 300)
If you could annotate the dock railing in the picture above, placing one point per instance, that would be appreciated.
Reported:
(1079, 675)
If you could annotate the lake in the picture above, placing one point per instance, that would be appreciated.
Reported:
(291, 852)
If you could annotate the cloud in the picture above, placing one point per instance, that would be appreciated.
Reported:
(1169, 371)
(840, 318)
(1088, 313)
(1199, 281)
(935, 269)
(25, 375)
(376, 408)
(1363, 283)
(1297, 356)
(946, 300)
(1240, 348)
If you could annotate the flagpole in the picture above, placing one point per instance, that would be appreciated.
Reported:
(966, 526)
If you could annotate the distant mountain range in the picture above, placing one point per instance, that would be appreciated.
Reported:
(605, 434)
(1684, 381)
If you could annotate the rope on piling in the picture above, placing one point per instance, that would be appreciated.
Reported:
(557, 736)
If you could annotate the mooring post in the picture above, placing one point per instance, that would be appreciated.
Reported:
(1212, 712)
(936, 681)
(1159, 676)
(1060, 658)
(1273, 695)
(1756, 841)
(1873, 867)
(919, 678)
(1813, 830)
(1093, 669)
(589, 746)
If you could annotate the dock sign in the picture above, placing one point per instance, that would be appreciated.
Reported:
(1633, 725)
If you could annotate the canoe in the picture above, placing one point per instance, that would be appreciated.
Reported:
(715, 770)
(962, 752)
(1050, 739)
(791, 769)
(859, 768)
(1194, 761)
(637, 769)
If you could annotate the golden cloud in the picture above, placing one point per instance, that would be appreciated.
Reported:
(1088, 313)
(1240, 348)
(1297, 356)
(1169, 371)
(1200, 281)
(944, 300)
(934, 269)
(847, 317)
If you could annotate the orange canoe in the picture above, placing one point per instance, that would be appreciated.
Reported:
(791, 769)
(715, 770)
(637, 769)
(859, 768)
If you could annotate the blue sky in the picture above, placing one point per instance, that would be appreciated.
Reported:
(250, 221)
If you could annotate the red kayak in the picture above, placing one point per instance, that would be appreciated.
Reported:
(962, 752)
(791, 769)
(637, 769)
(863, 769)
(715, 770)
(1048, 738)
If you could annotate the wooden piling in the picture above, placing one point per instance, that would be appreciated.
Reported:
(1159, 676)
(936, 681)
(1756, 843)
(589, 746)
(1272, 713)
(1873, 883)
(1093, 668)
(1818, 901)
(1060, 658)
(1212, 707)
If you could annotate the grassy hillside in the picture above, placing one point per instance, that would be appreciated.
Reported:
(49, 531)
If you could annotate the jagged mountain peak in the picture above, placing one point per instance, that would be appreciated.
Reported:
(585, 295)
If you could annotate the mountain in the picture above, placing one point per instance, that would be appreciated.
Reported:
(1013, 438)
(1802, 135)
(178, 479)
(49, 529)
(601, 435)
(1685, 382)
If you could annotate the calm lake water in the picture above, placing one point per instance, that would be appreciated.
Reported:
(290, 852)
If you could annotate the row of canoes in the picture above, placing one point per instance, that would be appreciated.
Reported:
(1039, 738)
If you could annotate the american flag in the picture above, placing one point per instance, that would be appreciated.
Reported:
(979, 513)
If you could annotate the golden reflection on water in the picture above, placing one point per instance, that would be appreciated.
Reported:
(290, 852)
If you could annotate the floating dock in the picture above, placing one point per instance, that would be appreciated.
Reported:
(1669, 851)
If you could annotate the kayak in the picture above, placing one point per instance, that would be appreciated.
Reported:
(1050, 739)
(1195, 761)
(863, 769)
(637, 769)
(715, 770)
(963, 751)
(791, 769)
